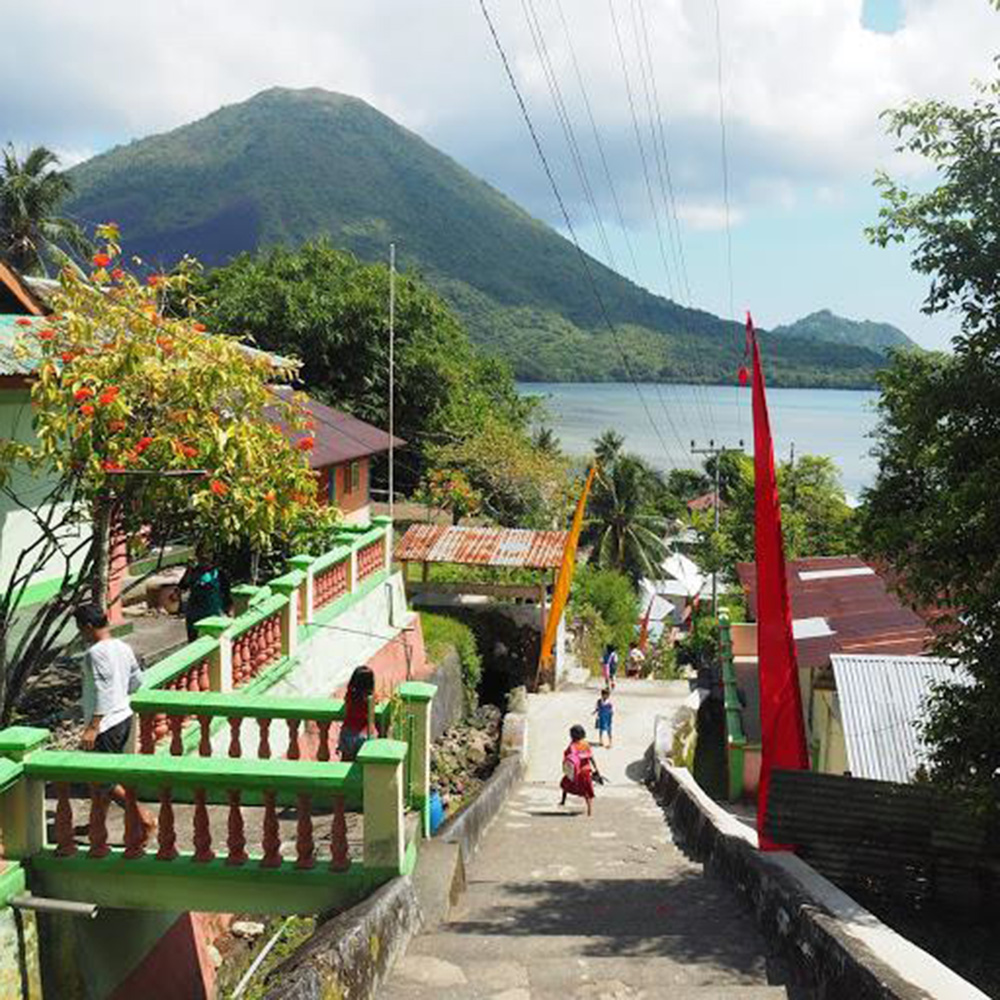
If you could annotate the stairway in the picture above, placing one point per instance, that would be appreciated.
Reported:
(560, 906)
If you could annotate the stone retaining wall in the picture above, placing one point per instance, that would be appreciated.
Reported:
(833, 945)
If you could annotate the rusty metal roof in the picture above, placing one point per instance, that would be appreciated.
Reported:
(863, 613)
(482, 546)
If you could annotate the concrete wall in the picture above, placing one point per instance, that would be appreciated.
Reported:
(17, 526)
(834, 947)
(20, 975)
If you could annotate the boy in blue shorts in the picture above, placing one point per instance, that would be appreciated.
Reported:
(604, 711)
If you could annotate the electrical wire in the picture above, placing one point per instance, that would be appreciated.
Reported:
(566, 218)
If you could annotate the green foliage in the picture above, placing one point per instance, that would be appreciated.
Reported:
(443, 633)
(824, 325)
(31, 192)
(815, 517)
(612, 597)
(287, 165)
(623, 523)
(932, 512)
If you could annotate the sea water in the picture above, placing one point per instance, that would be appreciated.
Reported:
(833, 422)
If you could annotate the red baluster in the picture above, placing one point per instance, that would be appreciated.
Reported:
(65, 844)
(294, 752)
(204, 677)
(275, 638)
(264, 746)
(167, 833)
(202, 831)
(340, 860)
(236, 840)
(304, 846)
(205, 743)
(134, 834)
(98, 827)
(147, 733)
(323, 753)
(160, 725)
(237, 660)
(271, 839)
(176, 745)
(235, 750)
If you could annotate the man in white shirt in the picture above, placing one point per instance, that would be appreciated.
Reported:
(110, 674)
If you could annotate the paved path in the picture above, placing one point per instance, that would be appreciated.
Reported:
(562, 907)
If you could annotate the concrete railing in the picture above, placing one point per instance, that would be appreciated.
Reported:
(217, 874)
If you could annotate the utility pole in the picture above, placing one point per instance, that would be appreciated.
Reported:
(716, 451)
(392, 378)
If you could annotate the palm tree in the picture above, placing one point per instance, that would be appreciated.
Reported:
(608, 447)
(546, 441)
(626, 534)
(30, 193)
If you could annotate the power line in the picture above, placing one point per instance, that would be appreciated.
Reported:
(566, 218)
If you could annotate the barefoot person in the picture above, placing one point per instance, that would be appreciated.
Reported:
(354, 730)
(579, 768)
(110, 674)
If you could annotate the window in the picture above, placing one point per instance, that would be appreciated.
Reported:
(331, 483)
(355, 477)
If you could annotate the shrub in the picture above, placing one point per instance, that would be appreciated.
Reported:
(612, 596)
(442, 634)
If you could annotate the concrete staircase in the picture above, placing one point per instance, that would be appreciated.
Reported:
(560, 906)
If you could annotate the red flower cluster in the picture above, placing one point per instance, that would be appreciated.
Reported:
(83, 393)
(116, 425)
(108, 466)
(142, 444)
(165, 344)
(24, 321)
(109, 395)
(189, 450)
(87, 410)
(101, 260)
(306, 444)
(200, 327)
(118, 274)
(219, 488)
(67, 357)
(154, 280)
(46, 334)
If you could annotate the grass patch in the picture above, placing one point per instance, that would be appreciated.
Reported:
(442, 634)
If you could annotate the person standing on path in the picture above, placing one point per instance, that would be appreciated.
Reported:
(605, 712)
(209, 591)
(111, 673)
(609, 666)
(579, 768)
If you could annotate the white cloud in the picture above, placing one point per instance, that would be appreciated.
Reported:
(708, 216)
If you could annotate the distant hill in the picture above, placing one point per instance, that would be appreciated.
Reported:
(290, 165)
(827, 326)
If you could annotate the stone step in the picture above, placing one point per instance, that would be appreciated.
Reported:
(701, 956)
(426, 977)
(579, 974)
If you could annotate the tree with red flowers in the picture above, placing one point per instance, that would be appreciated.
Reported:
(150, 423)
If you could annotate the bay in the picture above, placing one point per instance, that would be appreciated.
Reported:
(833, 422)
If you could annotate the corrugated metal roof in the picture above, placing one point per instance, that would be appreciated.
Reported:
(339, 436)
(862, 611)
(482, 546)
(881, 699)
(11, 327)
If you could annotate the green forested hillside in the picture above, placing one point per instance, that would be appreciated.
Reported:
(827, 326)
(287, 165)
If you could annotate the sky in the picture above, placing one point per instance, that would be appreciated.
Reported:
(802, 85)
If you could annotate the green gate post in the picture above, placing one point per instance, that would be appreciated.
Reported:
(385, 837)
(418, 697)
(22, 806)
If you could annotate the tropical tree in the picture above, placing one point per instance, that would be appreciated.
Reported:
(932, 512)
(144, 424)
(545, 440)
(450, 490)
(608, 446)
(622, 526)
(31, 231)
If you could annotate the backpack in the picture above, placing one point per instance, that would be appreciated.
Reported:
(573, 763)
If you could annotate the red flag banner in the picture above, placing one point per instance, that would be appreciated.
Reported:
(783, 737)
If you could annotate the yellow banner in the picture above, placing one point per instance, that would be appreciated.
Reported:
(565, 578)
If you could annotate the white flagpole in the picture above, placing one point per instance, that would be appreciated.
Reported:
(392, 375)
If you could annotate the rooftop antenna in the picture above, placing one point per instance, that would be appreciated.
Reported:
(392, 374)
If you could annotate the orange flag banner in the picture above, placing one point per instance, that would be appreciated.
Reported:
(565, 579)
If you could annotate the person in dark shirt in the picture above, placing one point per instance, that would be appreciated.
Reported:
(208, 589)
